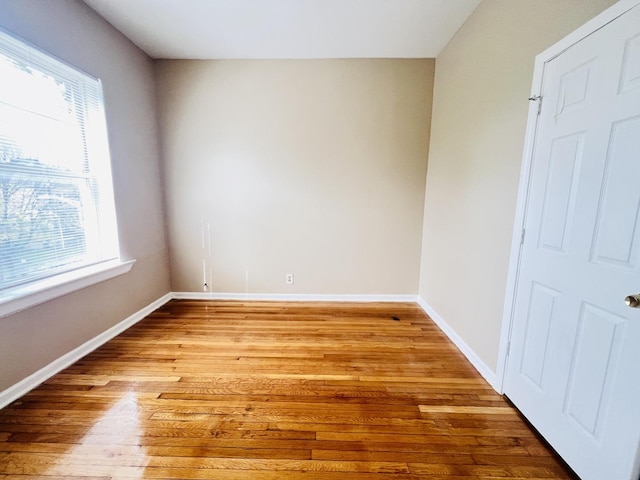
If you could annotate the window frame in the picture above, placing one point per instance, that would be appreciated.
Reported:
(20, 296)
(27, 295)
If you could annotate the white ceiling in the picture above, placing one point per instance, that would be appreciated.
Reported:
(207, 29)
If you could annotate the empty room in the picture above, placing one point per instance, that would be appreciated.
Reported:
(319, 239)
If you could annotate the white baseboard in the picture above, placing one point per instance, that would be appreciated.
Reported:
(482, 368)
(26, 385)
(282, 297)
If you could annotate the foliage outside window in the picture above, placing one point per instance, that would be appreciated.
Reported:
(56, 199)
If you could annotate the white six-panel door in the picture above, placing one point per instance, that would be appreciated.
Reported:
(574, 361)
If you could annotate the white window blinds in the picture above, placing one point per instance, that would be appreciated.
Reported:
(56, 199)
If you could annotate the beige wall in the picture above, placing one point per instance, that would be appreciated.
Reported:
(308, 167)
(483, 79)
(69, 29)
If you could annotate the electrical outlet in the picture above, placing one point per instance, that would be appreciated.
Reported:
(289, 279)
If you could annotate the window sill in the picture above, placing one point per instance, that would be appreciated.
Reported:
(22, 297)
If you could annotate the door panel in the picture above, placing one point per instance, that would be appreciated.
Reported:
(595, 358)
(617, 222)
(574, 362)
(630, 77)
(576, 89)
(539, 318)
(559, 203)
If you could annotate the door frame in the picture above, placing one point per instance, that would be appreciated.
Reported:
(541, 60)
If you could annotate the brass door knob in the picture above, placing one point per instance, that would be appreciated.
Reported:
(633, 301)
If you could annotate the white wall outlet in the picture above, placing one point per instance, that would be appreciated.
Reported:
(289, 279)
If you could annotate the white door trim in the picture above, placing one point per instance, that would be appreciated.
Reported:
(587, 29)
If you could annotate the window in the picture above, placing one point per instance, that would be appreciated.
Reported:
(56, 198)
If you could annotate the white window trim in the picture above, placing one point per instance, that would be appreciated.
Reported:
(21, 297)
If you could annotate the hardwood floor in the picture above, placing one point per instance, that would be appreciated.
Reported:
(232, 390)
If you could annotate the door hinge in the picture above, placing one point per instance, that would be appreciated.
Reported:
(508, 348)
(522, 236)
(537, 98)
